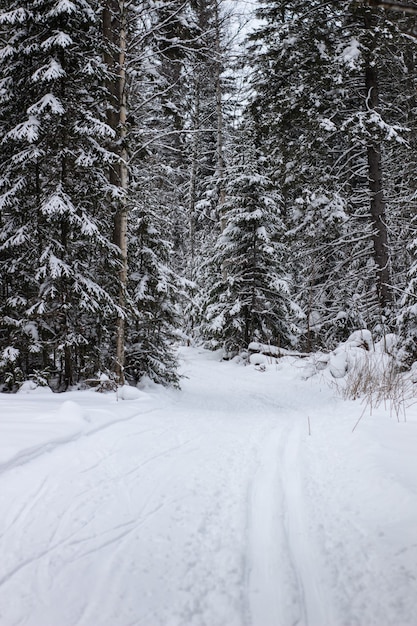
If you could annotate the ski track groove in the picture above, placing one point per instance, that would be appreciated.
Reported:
(26, 507)
(221, 511)
(31, 454)
(312, 599)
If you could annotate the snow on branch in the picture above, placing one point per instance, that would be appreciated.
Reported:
(27, 130)
(59, 40)
(272, 351)
(58, 204)
(48, 101)
(63, 6)
(17, 16)
(49, 72)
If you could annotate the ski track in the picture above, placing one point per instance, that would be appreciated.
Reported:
(213, 508)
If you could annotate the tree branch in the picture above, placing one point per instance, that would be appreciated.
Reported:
(405, 7)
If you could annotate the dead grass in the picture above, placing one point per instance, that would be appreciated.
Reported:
(378, 382)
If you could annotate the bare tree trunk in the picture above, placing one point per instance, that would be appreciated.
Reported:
(377, 208)
(193, 180)
(220, 173)
(121, 215)
(114, 28)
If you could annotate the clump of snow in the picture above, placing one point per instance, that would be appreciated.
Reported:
(71, 411)
(351, 53)
(10, 354)
(338, 364)
(387, 344)
(361, 339)
(147, 384)
(352, 353)
(126, 392)
(327, 124)
(258, 359)
(30, 386)
(240, 359)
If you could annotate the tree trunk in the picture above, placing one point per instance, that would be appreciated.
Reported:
(193, 179)
(220, 124)
(114, 29)
(377, 207)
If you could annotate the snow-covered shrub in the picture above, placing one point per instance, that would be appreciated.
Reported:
(13, 379)
(41, 377)
(10, 371)
(368, 369)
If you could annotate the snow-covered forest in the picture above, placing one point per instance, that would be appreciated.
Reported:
(202, 170)
(208, 213)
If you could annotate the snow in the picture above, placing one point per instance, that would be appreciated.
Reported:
(212, 506)
(27, 130)
(351, 53)
(47, 101)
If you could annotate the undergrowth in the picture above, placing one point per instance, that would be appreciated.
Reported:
(377, 380)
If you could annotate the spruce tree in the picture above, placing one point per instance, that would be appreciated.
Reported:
(57, 260)
(249, 296)
(333, 137)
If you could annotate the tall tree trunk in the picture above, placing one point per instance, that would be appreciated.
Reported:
(377, 206)
(114, 29)
(220, 173)
(193, 178)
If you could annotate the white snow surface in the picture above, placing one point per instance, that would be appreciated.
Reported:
(211, 506)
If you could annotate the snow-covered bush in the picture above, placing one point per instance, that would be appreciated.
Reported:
(10, 371)
(367, 369)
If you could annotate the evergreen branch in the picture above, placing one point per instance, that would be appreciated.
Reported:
(392, 6)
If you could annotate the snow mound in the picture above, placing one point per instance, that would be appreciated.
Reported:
(259, 359)
(353, 353)
(29, 386)
(360, 339)
(338, 364)
(72, 411)
(130, 393)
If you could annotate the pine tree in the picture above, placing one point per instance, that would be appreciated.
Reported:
(330, 132)
(249, 296)
(155, 292)
(57, 260)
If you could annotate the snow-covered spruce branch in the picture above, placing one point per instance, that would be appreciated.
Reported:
(171, 133)
(403, 7)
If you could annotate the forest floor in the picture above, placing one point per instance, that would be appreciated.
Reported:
(211, 506)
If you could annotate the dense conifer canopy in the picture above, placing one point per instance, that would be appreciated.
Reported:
(159, 183)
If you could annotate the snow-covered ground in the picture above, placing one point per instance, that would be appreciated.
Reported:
(212, 506)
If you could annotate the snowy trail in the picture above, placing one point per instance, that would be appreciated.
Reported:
(212, 507)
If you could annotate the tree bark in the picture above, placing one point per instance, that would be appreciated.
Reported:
(377, 203)
(114, 30)
(220, 123)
